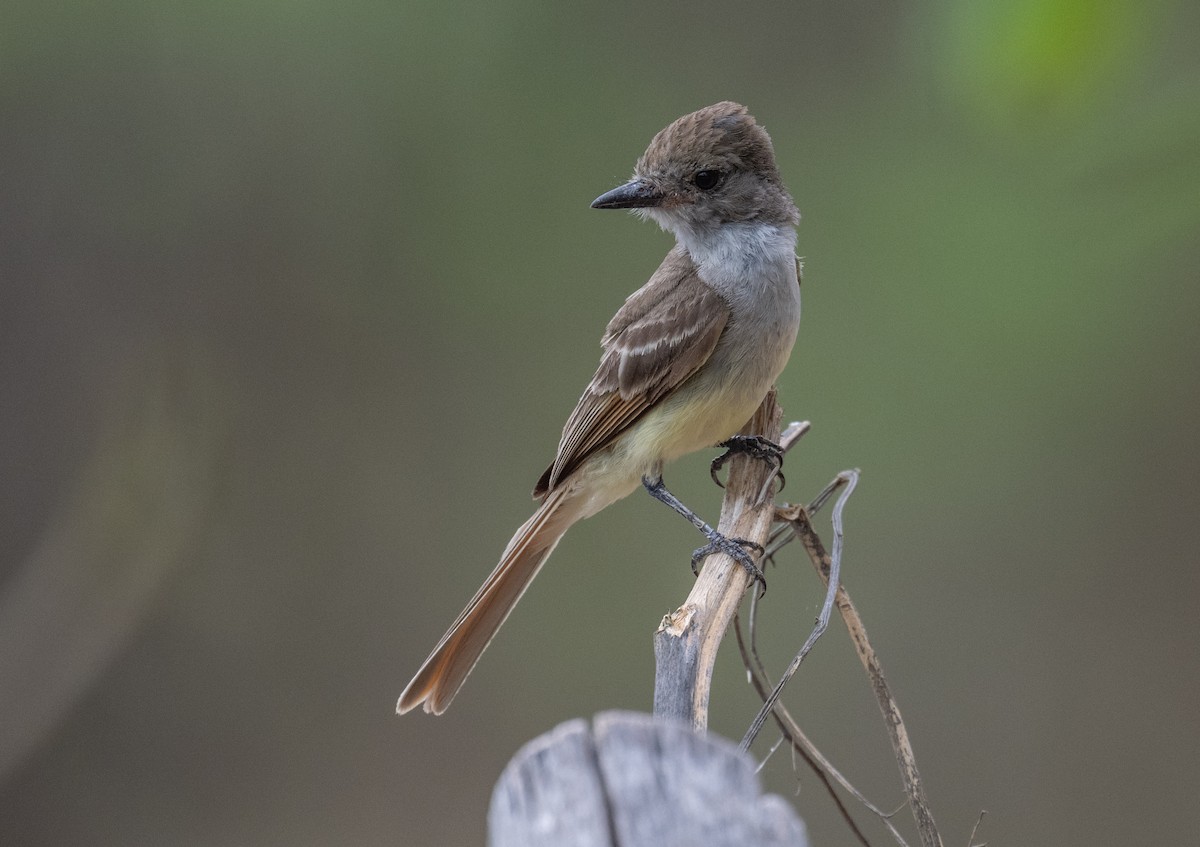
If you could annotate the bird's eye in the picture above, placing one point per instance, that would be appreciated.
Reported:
(706, 180)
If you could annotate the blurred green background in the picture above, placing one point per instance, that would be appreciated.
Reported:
(296, 297)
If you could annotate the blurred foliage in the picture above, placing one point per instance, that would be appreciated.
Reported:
(1038, 61)
(287, 275)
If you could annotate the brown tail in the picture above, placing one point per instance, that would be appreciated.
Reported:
(444, 672)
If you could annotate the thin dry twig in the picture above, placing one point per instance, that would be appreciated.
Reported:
(756, 672)
(792, 433)
(974, 829)
(832, 583)
(795, 523)
(797, 517)
(803, 746)
(774, 747)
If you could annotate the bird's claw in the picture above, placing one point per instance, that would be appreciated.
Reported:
(736, 549)
(752, 445)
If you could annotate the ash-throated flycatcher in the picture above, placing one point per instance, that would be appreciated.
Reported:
(686, 361)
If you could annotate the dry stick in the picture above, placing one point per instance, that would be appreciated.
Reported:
(791, 434)
(790, 731)
(800, 743)
(974, 829)
(832, 582)
(756, 673)
(685, 645)
(822, 561)
(779, 743)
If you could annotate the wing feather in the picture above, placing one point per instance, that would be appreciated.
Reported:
(663, 334)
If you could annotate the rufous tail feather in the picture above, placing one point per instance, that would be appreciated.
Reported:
(443, 673)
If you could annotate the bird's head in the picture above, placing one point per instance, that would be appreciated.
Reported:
(707, 169)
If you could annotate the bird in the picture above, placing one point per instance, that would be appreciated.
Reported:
(685, 361)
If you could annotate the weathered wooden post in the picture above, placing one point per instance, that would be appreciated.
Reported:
(633, 780)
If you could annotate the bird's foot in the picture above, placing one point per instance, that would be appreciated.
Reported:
(735, 548)
(752, 445)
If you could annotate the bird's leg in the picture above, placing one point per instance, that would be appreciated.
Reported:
(734, 547)
(755, 446)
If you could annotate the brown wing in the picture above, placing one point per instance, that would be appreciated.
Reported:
(662, 335)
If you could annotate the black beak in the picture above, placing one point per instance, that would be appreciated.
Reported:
(634, 194)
